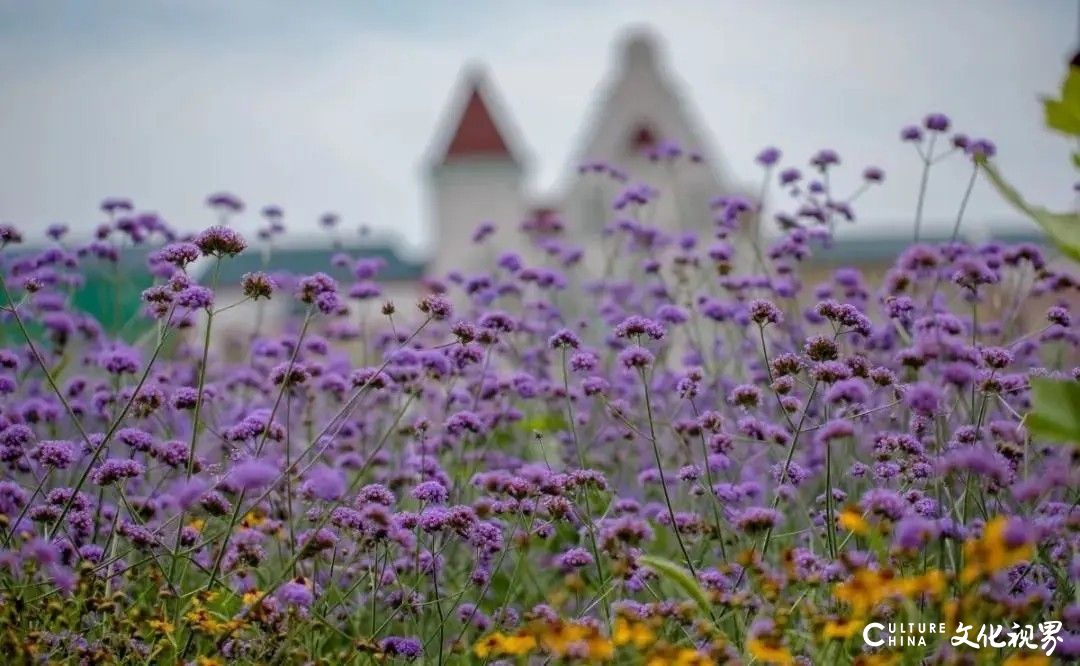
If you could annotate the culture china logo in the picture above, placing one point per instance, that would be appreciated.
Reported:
(1044, 637)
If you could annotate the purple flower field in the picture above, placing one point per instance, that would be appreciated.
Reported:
(692, 452)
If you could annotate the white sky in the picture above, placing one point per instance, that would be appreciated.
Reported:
(332, 105)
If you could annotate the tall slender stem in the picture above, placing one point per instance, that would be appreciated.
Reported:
(927, 162)
(663, 478)
(601, 580)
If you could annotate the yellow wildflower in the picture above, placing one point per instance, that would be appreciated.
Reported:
(253, 518)
(932, 583)
(852, 521)
(867, 588)
(995, 550)
(250, 597)
(841, 629)
(163, 626)
(197, 524)
(209, 661)
(769, 653)
(498, 644)
(634, 633)
(691, 657)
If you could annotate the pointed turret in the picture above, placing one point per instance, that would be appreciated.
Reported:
(476, 175)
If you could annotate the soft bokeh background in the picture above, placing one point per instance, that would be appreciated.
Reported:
(332, 105)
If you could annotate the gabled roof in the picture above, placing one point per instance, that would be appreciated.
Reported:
(478, 129)
(476, 133)
(641, 103)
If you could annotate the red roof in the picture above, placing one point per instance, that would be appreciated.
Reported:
(477, 134)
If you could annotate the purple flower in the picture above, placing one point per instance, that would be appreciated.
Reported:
(409, 649)
(936, 122)
(116, 205)
(119, 361)
(848, 391)
(746, 395)
(57, 454)
(325, 483)
(195, 298)
(755, 519)
(296, 593)
(574, 558)
(911, 133)
(825, 158)
(764, 312)
(465, 421)
(257, 285)
(1059, 315)
(768, 157)
(253, 474)
(289, 374)
(220, 242)
(312, 286)
(635, 326)
(436, 306)
(115, 469)
(177, 254)
(873, 174)
(564, 339)
(914, 532)
(923, 398)
(431, 492)
(981, 149)
(635, 357)
(883, 502)
(225, 202)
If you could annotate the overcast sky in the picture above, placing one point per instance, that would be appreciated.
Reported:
(319, 106)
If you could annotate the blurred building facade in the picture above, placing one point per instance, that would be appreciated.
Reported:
(642, 129)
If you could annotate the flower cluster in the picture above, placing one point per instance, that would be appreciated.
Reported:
(701, 454)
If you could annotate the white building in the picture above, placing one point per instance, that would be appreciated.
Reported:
(478, 171)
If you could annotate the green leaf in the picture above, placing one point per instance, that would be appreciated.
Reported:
(1063, 228)
(545, 423)
(1055, 413)
(1070, 87)
(681, 577)
(1063, 114)
(1076, 159)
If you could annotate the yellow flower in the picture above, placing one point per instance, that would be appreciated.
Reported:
(197, 524)
(867, 588)
(993, 551)
(253, 519)
(769, 653)
(250, 597)
(519, 644)
(841, 629)
(599, 648)
(209, 661)
(864, 590)
(634, 633)
(163, 626)
(488, 645)
(932, 583)
(852, 521)
(502, 645)
(691, 657)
